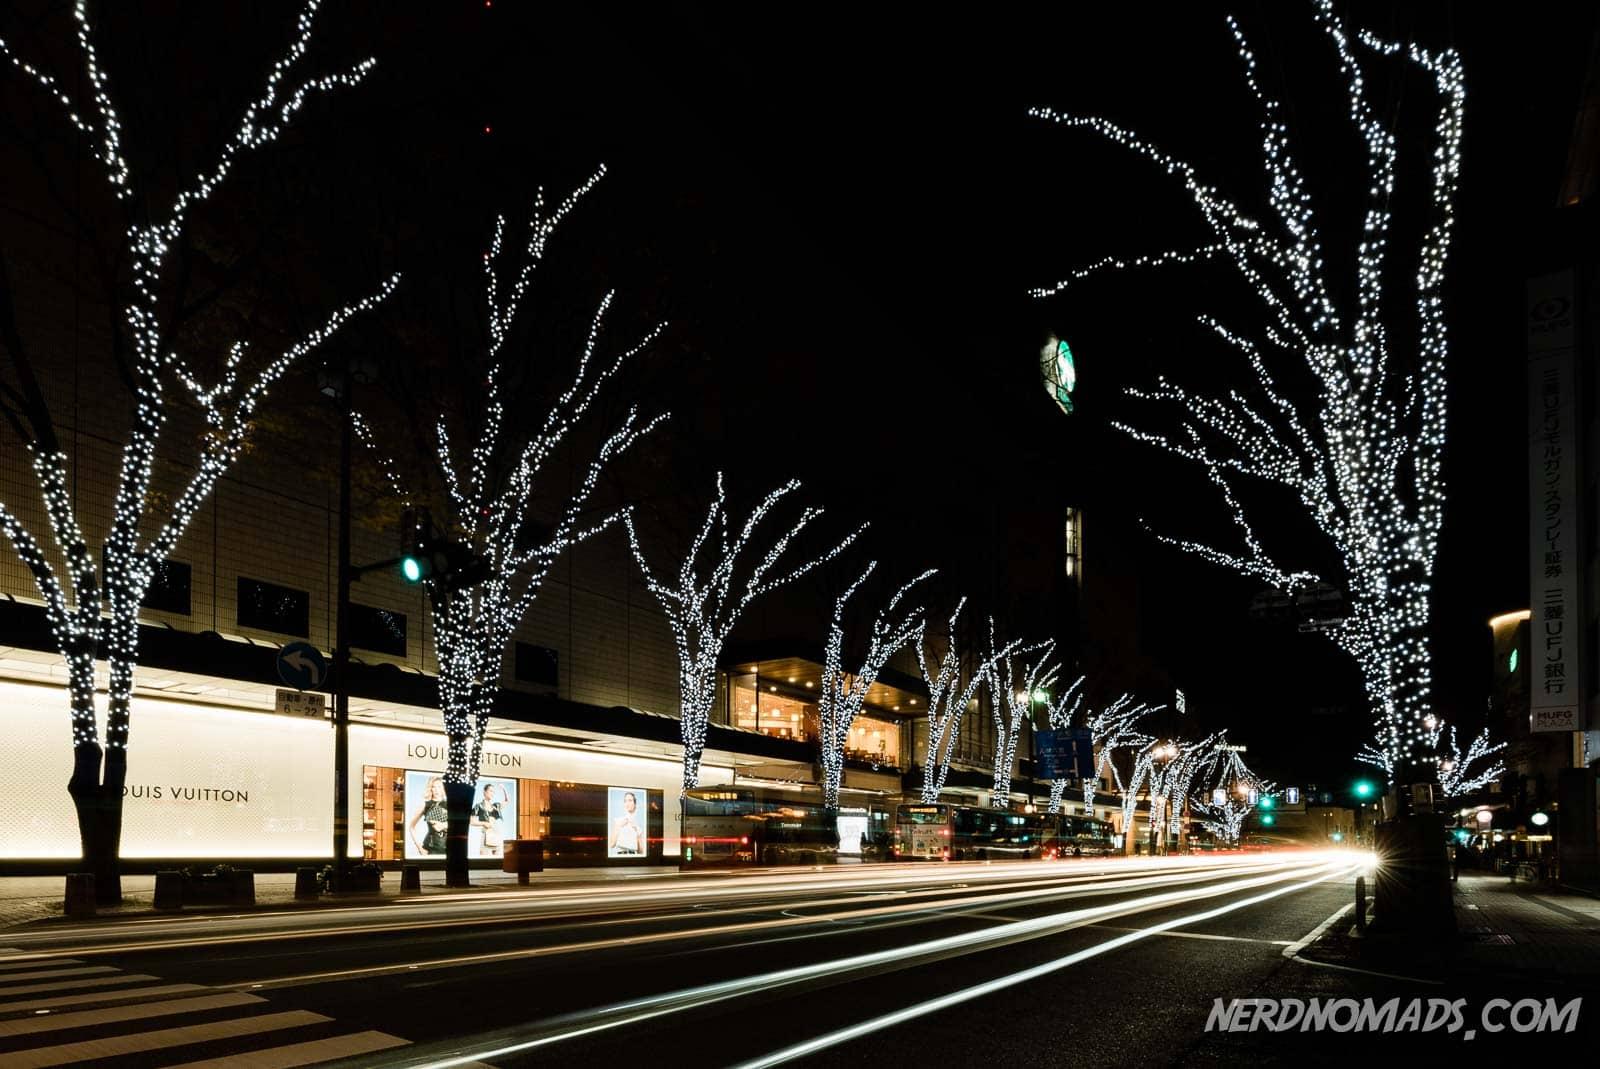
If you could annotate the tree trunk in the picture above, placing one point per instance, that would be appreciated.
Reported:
(832, 782)
(97, 800)
(692, 723)
(1058, 791)
(458, 796)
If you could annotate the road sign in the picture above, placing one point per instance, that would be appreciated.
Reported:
(301, 703)
(1064, 754)
(1291, 795)
(302, 666)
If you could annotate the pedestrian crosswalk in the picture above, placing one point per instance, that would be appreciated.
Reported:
(60, 1011)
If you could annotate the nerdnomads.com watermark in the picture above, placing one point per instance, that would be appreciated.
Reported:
(1449, 1016)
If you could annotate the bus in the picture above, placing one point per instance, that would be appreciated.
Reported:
(942, 832)
(970, 833)
(1080, 836)
(776, 826)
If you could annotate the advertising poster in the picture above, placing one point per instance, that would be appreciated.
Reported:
(625, 822)
(493, 819)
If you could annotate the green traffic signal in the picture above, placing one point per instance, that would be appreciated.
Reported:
(1268, 801)
(1268, 820)
(411, 569)
(1364, 788)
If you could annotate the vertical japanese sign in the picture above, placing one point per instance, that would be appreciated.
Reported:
(1555, 637)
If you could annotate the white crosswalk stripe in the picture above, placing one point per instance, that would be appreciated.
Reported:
(48, 1005)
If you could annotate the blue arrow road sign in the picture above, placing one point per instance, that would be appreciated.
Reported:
(302, 666)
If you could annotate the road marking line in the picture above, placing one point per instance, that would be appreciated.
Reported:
(967, 994)
(160, 1039)
(8, 966)
(85, 1018)
(1292, 952)
(98, 996)
(308, 1053)
(601, 1019)
(73, 985)
(1199, 935)
(51, 974)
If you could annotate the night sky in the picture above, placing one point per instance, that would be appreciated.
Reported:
(841, 211)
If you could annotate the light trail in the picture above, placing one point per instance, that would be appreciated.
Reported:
(967, 994)
(547, 904)
(906, 904)
(638, 1010)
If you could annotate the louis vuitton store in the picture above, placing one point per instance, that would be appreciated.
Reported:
(213, 779)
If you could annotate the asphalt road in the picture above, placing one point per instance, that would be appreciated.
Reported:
(1085, 962)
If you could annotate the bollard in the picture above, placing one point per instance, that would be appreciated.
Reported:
(1361, 903)
(411, 877)
(305, 883)
(169, 890)
(80, 895)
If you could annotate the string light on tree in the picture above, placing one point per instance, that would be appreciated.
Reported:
(1111, 729)
(844, 693)
(1172, 766)
(702, 609)
(1233, 793)
(130, 554)
(949, 698)
(1458, 773)
(489, 492)
(1013, 683)
(1364, 460)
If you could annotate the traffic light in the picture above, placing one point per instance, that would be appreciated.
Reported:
(424, 556)
(1365, 789)
(1268, 820)
(1268, 801)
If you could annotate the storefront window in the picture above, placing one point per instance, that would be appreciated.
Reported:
(404, 813)
(757, 706)
(874, 741)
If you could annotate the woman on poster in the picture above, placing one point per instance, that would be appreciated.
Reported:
(435, 814)
(487, 816)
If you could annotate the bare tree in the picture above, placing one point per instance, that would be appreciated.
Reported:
(1172, 768)
(948, 699)
(486, 509)
(1013, 683)
(1365, 460)
(703, 609)
(1110, 729)
(1459, 773)
(1233, 793)
(844, 693)
(86, 586)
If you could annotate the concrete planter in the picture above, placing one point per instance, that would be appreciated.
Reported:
(175, 890)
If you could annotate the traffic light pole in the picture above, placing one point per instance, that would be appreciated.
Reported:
(341, 647)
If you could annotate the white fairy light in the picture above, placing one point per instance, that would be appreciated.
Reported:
(129, 559)
(1171, 768)
(487, 499)
(1458, 773)
(1473, 771)
(948, 699)
(1013, 683)
(701, 610)
(1111, 729)
(844, 693)
(1240, 788)
(1365, 462)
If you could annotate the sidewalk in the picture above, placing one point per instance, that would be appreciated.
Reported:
(27, 899)
(1504, 931)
